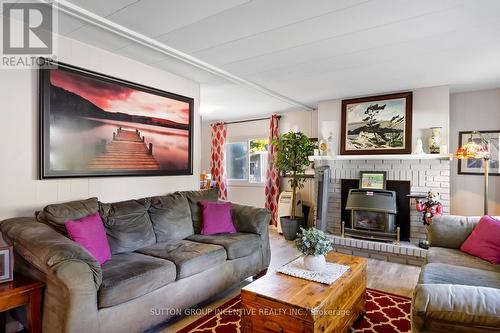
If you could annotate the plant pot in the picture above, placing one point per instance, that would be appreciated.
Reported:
(314, 263)
(291, 227)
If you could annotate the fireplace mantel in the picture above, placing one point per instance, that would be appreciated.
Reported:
(381, 157)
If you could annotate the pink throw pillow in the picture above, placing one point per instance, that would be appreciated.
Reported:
(484, 241)
(89, 232)
(216, 218)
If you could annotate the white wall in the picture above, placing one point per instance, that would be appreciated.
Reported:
(21, 193)
(430, 108)
(478, 110)
(304, 121)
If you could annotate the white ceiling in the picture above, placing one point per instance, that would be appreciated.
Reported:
(306, 50)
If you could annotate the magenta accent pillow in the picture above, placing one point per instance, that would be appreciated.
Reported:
(484, 241)
(216, 218)
(89, 232)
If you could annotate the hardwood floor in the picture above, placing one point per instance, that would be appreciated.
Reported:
(386, 276)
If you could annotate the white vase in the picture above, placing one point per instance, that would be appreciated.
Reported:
(435, 140)
(314, 263)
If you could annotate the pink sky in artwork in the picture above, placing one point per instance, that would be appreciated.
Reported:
(117, 98)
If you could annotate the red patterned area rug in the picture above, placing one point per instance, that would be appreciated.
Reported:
(385, 313)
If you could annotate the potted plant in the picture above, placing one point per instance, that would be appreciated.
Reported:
(313, 244)
(292, 157)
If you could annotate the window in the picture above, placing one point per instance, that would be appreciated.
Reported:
(237, 160)
(246, 160)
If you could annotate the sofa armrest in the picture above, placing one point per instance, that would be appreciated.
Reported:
(71, 274)
(250, 219)
(46, 249)
(454, 305)
(256, 221)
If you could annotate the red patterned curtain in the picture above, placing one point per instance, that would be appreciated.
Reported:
(272, 175)
(217, 164)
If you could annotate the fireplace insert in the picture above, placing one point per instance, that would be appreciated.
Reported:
(373, 214)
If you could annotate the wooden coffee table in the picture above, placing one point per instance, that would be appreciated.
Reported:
(282, 303)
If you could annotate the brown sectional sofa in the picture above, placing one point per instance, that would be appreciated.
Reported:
(160, 263)
(456, 292)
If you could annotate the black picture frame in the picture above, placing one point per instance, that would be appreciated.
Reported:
(6, 264)
(383, 183)
(494, 162)
(376, 103)
(45, 170)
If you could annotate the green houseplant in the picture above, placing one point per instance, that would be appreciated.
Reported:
(313, 244)
(292, 152)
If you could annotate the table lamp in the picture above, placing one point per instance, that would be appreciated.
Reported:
(473, 150)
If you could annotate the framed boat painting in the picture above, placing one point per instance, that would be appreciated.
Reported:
(476, 166)
(377, 125)
(94, 125)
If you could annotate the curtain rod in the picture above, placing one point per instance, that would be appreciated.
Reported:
(247, 120)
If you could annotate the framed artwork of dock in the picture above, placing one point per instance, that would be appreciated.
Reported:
(95, 125)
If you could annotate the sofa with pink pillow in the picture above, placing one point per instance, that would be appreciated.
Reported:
(160, 263)
(459, 287)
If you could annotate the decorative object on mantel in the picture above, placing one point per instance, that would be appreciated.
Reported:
(330, 144)
(328, 275)
(314, 244)
(377, 125)
(293, 150)
(419, 147)
(435, 140)
(477, 155)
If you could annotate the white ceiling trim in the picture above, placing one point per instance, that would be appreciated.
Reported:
(103, 23)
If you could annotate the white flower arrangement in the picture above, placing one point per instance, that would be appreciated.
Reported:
(313, 242)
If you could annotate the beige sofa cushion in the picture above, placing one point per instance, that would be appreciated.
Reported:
(455, 308)
(437, 273)
(189, 257)
(130, 275)
(458, 258)
(237, 245)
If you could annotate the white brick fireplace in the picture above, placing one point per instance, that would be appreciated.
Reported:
(424, 173)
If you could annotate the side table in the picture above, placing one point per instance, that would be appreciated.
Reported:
(22, 291)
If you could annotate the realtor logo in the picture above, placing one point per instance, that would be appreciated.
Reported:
(27, 33)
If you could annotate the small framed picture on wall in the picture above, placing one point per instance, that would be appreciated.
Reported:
(476, 166)
(6, 264)
(372, 180)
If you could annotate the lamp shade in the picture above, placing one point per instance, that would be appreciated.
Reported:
(471, 150)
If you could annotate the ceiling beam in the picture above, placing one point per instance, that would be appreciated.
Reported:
(103, 23)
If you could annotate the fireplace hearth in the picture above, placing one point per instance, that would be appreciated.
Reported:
(373, 214)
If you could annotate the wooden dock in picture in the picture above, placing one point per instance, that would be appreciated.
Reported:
(127, 151)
